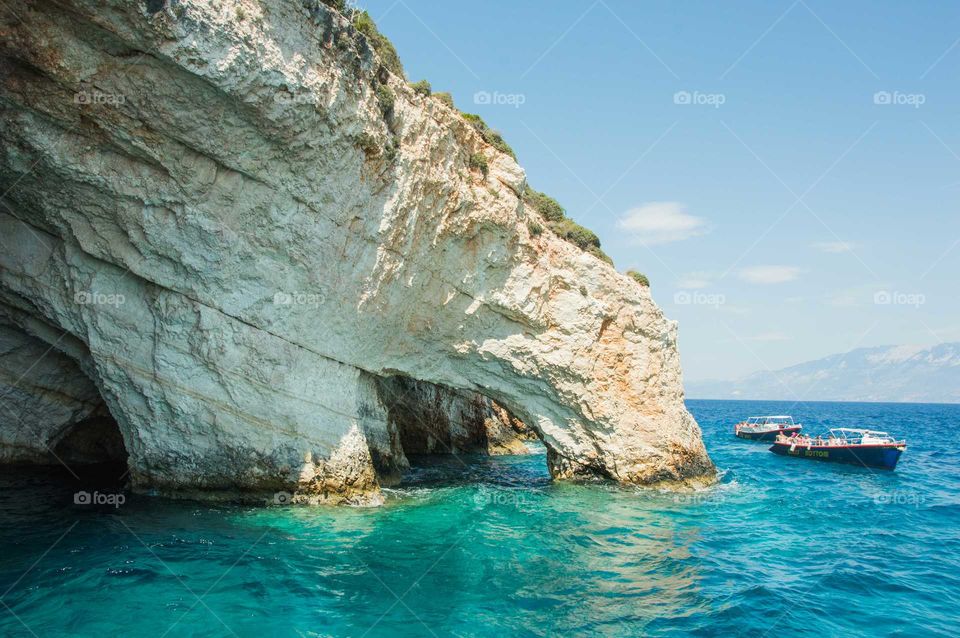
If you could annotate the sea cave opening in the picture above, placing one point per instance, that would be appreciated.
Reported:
(439, 434)
(56, 415)
(93, 447)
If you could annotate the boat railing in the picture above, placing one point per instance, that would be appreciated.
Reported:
(830, 441)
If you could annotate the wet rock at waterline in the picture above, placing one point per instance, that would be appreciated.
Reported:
(215, 217)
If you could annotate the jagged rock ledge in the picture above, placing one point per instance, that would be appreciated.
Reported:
(231, 228)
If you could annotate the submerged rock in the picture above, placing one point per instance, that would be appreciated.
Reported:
(234, 223)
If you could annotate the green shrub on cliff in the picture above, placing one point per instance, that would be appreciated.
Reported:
(549, 208)
(386, 98)
(422, 87)
(491, 137)
(599, 254)
(478, 161)
(564, 227)
(446, 98)
(379, 42)
(575, 233)
(638, 277)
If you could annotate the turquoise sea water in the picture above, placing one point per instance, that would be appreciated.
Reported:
(490, 547)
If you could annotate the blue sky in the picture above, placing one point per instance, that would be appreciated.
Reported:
(786, 173)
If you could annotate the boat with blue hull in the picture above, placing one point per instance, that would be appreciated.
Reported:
(766, 428)
(866, 448)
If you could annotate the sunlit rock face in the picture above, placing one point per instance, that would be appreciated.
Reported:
(237, 237)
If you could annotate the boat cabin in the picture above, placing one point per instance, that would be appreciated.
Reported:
(785, 421)
(856, 436)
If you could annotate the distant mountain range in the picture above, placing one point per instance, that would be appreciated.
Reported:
(885, 373)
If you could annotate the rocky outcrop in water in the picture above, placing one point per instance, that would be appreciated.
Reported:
(235, 223)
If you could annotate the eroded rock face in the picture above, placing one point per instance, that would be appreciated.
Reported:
(212, 201)
(43, 394)
(431, 419)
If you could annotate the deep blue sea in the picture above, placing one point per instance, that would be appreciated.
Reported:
(476, 546)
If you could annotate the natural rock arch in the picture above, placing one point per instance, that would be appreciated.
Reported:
(272, 264)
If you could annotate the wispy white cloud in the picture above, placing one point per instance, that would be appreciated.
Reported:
(834, 246)
(661, 223)
(770, 274)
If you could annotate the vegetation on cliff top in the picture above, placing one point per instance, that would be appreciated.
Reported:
(564, 227)
(490, 136)
(445, 98)
(422, 88)
(638, 277)
(380, 43)
(548, 208)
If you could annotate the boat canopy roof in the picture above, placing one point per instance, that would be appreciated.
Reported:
(865, 437)
(770, 419)
(857, 431)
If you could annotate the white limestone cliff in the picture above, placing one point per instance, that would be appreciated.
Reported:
(212, 213)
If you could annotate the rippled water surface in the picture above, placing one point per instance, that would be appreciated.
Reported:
(490, 547)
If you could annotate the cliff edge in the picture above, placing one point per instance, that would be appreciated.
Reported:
(237, 223)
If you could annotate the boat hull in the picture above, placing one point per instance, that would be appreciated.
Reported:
(883, 457)
(769, 435)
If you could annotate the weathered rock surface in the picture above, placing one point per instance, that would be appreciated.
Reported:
(209, 211)
(43, 393)
(430, 419)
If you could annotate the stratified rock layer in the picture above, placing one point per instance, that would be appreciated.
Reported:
(220, 210)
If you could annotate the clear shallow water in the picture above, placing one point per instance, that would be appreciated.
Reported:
(490, 547)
